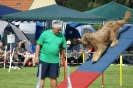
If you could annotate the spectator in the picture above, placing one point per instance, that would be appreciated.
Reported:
(7, 54)
(23, 44)
(20, 50)
(77, 48)
(2, 51)
(68, 44)
(70, 56)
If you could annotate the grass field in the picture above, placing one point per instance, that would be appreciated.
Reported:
(25, 78)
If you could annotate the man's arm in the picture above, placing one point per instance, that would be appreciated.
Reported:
(62, 52)
(37, 53)
(17, 49)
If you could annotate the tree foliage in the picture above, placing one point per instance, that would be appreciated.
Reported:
(61, 2)
(77, 4)
(83, 5)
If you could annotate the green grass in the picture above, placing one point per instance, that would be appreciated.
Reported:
(26, 78)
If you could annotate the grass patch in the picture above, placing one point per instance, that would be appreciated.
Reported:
(26, 78)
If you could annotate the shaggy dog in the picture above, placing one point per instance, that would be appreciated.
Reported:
(106, 35)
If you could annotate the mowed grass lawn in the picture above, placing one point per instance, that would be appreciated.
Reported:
(26, 78)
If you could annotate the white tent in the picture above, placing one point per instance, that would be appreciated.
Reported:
(17, 32)
(85, 29)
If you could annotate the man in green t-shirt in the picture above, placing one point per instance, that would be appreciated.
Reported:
(49, 45)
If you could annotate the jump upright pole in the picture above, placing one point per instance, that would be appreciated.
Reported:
(102, 80)
(83, 56)
(64, 69)
(121, 70)
(65, 63)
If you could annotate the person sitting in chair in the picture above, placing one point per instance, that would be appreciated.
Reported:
(77, 48)
(31, 54)
(2, 51)
(15, 56)
(70, 57)
(20, 50)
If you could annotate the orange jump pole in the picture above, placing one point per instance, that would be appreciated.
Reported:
(64, 69)
(65, 62)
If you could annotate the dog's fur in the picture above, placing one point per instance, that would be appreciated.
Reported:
(106, 35)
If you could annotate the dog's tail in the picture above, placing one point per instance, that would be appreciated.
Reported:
(127, 16)
(125, 19)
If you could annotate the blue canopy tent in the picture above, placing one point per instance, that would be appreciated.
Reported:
(4, 10)
(72, 32)
(39, 29)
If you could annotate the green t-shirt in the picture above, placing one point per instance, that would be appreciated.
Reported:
(50, 46)
(20, 50)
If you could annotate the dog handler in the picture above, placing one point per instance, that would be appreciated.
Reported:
(49, 45)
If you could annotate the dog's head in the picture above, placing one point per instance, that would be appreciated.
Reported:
(86, 40)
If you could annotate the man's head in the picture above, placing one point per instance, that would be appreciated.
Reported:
(56, 26)
(19, 43)
(74, 40)
(68, 43)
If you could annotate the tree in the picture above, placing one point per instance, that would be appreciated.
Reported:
(130, 3)
(83, 5)
(61, 2)
(92, 5)
(80, 5)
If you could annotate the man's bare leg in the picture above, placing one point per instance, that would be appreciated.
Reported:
(27, 57)
(53, 83)
(42, 83)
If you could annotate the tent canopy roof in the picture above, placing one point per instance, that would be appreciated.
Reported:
(4, 10)
(52, 12)
(112, 11)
